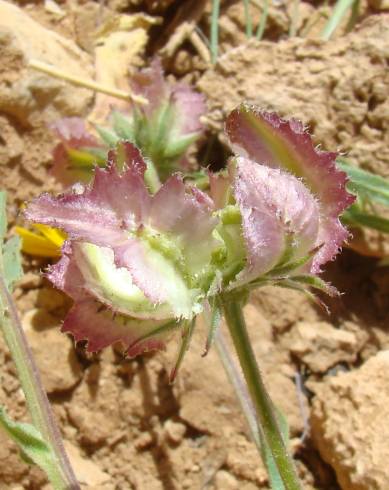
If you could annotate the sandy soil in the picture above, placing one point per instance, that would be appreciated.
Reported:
(125, 427)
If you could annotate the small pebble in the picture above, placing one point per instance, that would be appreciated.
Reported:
(174, 431)
(225, 481)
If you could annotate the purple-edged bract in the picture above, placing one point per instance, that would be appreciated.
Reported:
(273, 142)
(139, 265)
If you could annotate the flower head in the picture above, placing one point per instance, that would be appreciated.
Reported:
(139, 265)
(135, 264)
(273, 142)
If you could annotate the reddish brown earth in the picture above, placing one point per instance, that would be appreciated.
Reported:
(125, 427)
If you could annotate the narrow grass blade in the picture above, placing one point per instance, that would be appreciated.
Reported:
(263, 20)
(215, 30)
(248, 19)
(340, 10)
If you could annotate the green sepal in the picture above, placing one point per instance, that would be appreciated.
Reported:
(290, 284)
(316, 283)
(82, 158)
(123, 126)
(161, 329)
(177, 146)
(159, 129)
(186, 338)
(100, 154)
(213, 319)
(110, 138)
(285, 268)
(30, 442)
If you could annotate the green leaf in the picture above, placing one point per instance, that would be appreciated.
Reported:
(354, 217)
(375, 187)
(30, 442)
(3, 215)
(10, 262)
(12, 266)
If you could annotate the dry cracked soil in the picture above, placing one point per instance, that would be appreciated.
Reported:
(124, 426)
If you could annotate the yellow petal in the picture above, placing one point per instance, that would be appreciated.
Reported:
(38, 245)
(57, 237)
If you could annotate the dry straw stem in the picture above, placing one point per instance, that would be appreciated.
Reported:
(90, 84)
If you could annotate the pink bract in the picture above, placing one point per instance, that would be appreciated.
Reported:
(113, 213)
(271, 141)
(279, 216)
(189, 105)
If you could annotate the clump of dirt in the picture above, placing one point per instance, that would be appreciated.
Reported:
(348, 425)
(30, 101)
(123, 424)
(338, 88)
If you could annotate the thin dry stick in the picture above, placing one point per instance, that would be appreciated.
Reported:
(90, 84)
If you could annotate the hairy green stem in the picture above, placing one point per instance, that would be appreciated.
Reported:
(263, 405)
(61, 476)
(215, 30)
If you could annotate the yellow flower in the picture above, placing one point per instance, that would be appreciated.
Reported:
(47, 242)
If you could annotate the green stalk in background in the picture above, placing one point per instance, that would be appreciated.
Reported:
(248, 19)
(243, 396)
(263, 20)
(295, 18)
(215, 30)
(340, 10)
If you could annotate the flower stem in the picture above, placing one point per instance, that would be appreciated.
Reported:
(260, 398)
(61, 476)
